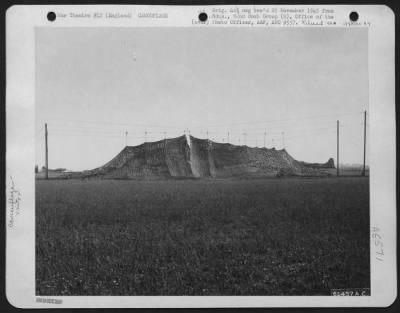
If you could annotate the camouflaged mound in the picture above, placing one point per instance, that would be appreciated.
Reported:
(201, 158)
(165, 158)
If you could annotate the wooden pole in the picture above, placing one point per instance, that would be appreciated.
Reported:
(47, 152)
(365, 140)
(337, 148)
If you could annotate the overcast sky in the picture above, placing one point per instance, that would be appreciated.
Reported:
(95, 84)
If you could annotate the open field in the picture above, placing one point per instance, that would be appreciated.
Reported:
(289, 236)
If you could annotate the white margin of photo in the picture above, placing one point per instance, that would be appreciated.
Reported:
(21, 22)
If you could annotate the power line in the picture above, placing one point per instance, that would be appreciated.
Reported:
(74, 133)
(56, 130)
(251, 135)
(287, 119)
(111, 123)
(85, 122)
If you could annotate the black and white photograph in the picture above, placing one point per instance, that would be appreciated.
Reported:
(203, 160)
(168, 167)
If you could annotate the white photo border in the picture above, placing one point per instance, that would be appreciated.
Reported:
(21, 22)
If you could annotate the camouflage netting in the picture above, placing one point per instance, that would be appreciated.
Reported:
(203, 158)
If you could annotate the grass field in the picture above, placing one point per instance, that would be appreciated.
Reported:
(290, 236)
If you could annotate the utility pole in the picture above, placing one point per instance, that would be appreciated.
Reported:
(207, 134)
(365, 140)
(337, 148)
(165, 135)
(145, 136)
(126, 138)
(228, 138)
(47, 152)
(244, 138)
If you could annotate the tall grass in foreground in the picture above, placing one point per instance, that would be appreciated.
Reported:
(202, 237)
